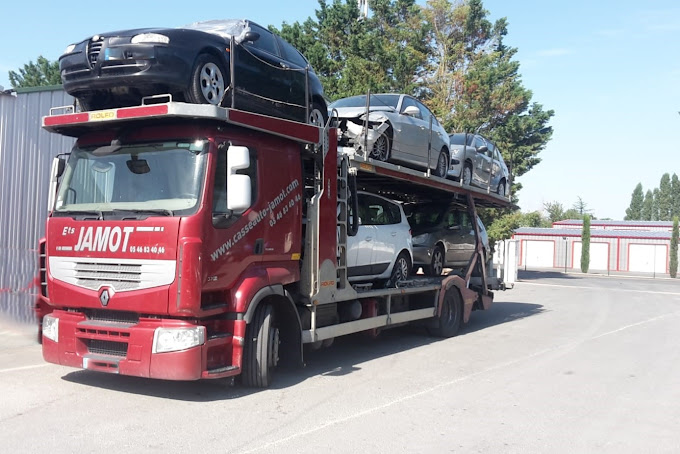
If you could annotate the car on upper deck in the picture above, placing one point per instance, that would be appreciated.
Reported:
(476, 160)
(192, 63)
(394, 127)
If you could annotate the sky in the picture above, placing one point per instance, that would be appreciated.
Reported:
(609, 69)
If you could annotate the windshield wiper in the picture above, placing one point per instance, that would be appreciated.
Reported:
(162, 211)
(99, 214)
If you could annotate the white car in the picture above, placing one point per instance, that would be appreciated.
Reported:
(397, 129)
(382, 249)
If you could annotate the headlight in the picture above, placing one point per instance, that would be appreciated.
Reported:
(150, 38)
(50, 328)
(174, 339)
(70, 49)
(455, 152)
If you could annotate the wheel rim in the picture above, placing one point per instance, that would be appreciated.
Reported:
(380, 148)
(441, 165)
(273, 347)
(501, 189)
(467, 175)
(402, 269)
(212, 83)
(316, 118)
(437, 262)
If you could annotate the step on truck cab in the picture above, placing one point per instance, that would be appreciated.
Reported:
(190, 241)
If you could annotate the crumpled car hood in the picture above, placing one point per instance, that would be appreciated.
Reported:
(353, 112)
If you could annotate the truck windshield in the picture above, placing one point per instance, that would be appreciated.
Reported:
(163, 178)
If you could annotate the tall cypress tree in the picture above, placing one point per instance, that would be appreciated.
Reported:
(647, 206)
(665, 198)
(655, 205)
(673, 265)
(634, 211)
(585, 244)
(675, 196)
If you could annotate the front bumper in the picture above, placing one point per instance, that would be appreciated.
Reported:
(127, 349)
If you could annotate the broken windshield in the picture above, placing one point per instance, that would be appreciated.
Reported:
(162, 177)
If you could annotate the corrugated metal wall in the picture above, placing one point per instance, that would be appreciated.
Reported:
(26, 153)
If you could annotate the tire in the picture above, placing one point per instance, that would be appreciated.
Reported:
(442, 164)
(437, 263)
(501, 188)
(466, 177)
(381, 148)
(318, 116)
(261, 350)
(401, 269)
(208, 81)
(448, 324)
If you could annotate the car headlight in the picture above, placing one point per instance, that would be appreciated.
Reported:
(70, 49)
(174, 339)
(455, 151)
(50, 328)
(150, 38)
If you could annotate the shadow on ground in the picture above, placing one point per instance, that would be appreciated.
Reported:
(530, 275)
(344, 357)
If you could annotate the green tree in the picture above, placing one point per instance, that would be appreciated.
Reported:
(585, 244)
(665, 202)
(38, 74)
(673, 264)
(634, 211)
(555, 211)
(675, 196)
(581, 207)
(655, 204)
(647, 206)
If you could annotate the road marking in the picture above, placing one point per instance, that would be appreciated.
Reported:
(399, 400)
(601, 288)
(14, 369)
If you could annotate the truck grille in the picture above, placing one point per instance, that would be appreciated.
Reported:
(108, 348)
(98, 315)
(93, 51)
(118, 274)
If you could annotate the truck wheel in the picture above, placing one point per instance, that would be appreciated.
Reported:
(207, 83)
(448, 324)
(261, 350)
(437, 264)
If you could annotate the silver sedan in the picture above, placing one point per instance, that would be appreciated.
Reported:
(393, 127)
(477, 161)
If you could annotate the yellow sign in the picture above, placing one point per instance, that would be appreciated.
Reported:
(102, 115)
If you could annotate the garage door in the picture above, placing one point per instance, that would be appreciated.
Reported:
(539, 254)
(648, 258)
(599, 256)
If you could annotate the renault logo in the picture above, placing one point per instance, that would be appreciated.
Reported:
(104, 297)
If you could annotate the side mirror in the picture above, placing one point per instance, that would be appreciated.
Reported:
(411, 111)
(238, 185)
(251, 36)
(454, 227)
(482, 149)
(56, 171)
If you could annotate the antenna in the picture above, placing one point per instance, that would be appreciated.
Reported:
(363, 9)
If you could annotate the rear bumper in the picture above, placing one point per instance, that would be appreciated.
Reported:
(128, 349)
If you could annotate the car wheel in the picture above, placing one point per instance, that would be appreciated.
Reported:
(437, 263)
(261, 349)
(318, 116)
(400, 270)
(451, 317)
(501, 188)
(467, 174)
(442, 164)
(381, 148)
(207, 81)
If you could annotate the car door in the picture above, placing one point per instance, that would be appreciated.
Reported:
(412, 136)
(260, 74)
(297, 67)
(459, 245)
(389, 234)
(482, 168)
(437, 137)
(360, 246)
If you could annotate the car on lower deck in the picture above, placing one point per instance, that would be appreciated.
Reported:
(477, 161)
(443, 237)
(192, 63)
(381, 251)
(394, 128)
